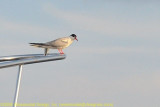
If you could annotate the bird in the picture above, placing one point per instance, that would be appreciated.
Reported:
(59, 44)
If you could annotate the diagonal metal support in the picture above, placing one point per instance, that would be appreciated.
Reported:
(17, 86)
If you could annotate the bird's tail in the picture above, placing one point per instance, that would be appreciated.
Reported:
(40, 45)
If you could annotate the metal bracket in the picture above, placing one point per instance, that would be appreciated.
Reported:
(19, 60)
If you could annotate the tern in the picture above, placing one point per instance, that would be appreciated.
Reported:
(59, 44)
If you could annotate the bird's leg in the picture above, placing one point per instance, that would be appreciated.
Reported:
(46, 51)
(62, 52)
(59, 51)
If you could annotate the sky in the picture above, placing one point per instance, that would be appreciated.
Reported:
(116, 60)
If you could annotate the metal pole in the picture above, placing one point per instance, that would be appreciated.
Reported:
(17, 86)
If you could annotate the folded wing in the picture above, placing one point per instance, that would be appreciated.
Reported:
(40, 45)
(62, 42)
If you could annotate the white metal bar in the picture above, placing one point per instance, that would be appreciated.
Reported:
(17, 86)
(28, 59)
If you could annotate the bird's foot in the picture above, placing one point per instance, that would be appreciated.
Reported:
(60, 51)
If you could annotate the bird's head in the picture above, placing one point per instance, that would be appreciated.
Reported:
(74, 36)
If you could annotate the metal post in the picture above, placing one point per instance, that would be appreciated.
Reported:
(17, 86)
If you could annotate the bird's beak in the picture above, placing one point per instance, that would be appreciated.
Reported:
(76, 39)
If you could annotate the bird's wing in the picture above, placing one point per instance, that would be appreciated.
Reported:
(61, 42)
(40, 45)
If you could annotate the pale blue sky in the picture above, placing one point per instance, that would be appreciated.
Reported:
(116, 59)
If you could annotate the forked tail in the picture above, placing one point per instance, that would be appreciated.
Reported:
(41, 45)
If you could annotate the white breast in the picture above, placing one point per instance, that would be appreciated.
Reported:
(69, 42)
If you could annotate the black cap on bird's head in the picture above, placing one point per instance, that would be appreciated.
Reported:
(73, 35)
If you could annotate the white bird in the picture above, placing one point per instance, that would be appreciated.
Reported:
(59, 44)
